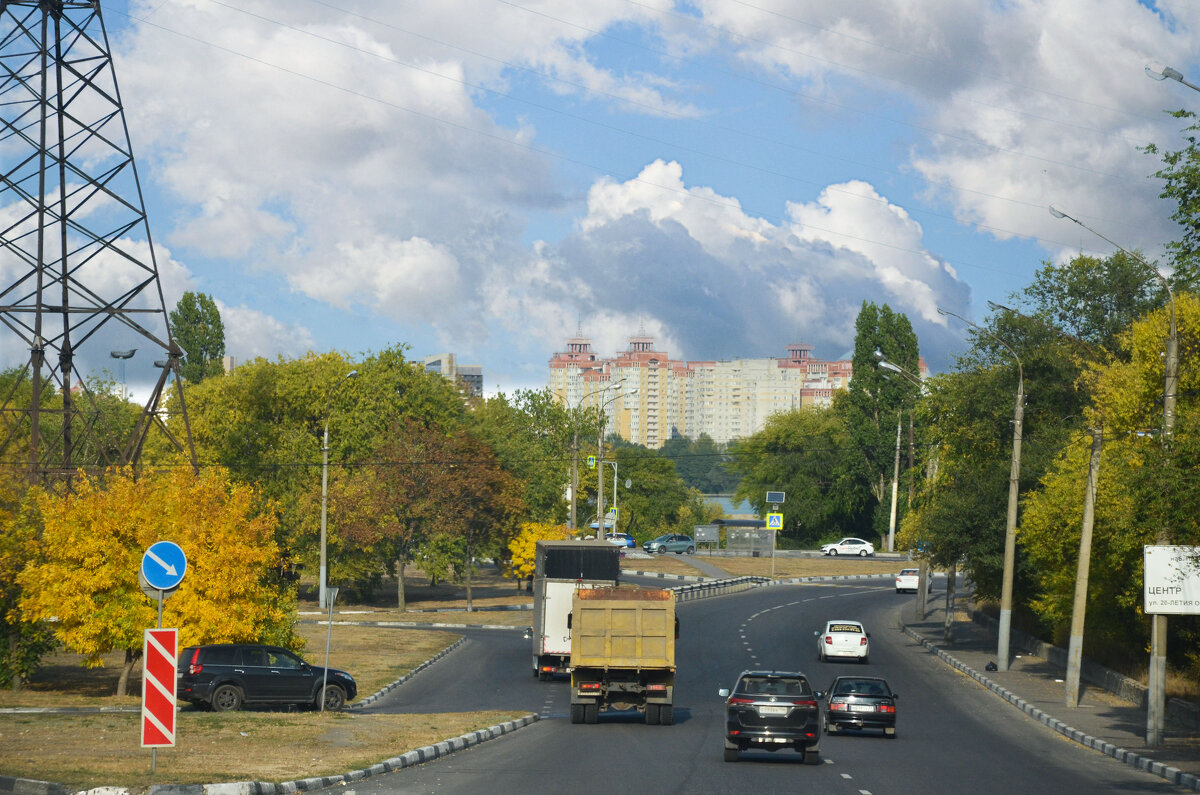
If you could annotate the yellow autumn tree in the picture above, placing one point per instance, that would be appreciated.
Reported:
(86, 576)
(523, 546)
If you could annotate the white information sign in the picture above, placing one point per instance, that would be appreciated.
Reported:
(1172, 580)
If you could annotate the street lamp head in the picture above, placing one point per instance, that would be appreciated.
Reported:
(1159, 72)
(880, 355)
(123, 354)
(1057, 213)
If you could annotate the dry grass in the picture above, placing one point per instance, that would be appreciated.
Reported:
(787, 567)
(663, 564)
(90, 750)
(87, 751)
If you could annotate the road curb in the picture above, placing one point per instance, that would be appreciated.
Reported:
(1131, 758)
(416, 757)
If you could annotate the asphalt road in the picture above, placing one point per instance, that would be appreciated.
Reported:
(952, 735)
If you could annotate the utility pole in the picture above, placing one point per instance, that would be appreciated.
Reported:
(1075, 649)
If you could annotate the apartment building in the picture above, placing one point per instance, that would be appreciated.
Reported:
(649, 398)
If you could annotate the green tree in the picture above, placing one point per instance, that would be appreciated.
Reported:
(1145, 487)
(1181, 182)
(875, 402)
(796, 452)
(702, 463)
(85, 576)
(531, 436)
(196, 325)
(266, 420)
(651, 504)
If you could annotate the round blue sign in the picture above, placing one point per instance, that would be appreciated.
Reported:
(163, 565)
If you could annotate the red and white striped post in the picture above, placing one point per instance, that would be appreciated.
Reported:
(159, 653)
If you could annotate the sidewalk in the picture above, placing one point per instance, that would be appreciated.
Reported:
(1102, 721)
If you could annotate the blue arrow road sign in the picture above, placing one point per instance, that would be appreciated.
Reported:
(164, 565)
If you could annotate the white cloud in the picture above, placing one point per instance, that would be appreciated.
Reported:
(250, 334)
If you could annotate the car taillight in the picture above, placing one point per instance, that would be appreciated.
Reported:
(862, 641)
(656, 687)
(806, 702)
(589, 686)
(838, 706)
(887, 707)
(829, 639)
(195, 667)
(741, 701)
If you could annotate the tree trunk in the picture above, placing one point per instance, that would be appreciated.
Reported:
(131, 657)
(401, 562)
(951, 582)
(13, 643)
(470, 607)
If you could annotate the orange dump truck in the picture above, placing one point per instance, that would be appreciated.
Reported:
(623, 653)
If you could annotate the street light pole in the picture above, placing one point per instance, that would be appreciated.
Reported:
(1156, 695)
(322, 587)
(1014, 485)
(600, 463)
(895, 368)
(895, 486)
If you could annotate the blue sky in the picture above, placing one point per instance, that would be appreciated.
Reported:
(488, 176)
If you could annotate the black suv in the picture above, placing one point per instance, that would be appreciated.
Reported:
(222, 677)
(769, 710)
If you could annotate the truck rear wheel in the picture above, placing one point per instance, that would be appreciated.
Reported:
(577, 713)
(666, 714)
(591, 713)
(652, 715)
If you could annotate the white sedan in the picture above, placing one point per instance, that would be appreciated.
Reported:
(910, 580)
(843, 639)
(849, 546)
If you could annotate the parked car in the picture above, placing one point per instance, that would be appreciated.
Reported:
(849, 546)
(861, 702)
(671, 543)
(621, 540)
(910, 580)
(843, 639)
(224, 676)
(772, 710)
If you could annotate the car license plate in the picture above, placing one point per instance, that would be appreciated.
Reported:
(765, 711)
(861, 708)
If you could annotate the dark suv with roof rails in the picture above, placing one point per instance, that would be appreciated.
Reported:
(224, 676)
(770, 711)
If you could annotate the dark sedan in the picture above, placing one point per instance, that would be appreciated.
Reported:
(771, 710)
(861, 702)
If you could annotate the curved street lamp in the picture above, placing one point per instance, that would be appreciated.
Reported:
(1159, 72)
(322, 588)
(1014, 477)
(1157, 676)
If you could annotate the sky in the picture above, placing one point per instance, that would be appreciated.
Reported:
(491, 177)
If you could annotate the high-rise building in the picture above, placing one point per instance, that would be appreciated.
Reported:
(468, 376)
(649, 397)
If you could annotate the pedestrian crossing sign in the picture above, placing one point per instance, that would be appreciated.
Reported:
(774, 521)
(591, 462)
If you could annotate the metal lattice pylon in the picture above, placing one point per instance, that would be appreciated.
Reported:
(75, 242)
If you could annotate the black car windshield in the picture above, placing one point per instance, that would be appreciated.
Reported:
(860, 687)
(774, 686)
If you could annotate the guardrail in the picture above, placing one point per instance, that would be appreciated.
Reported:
(709, 588)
